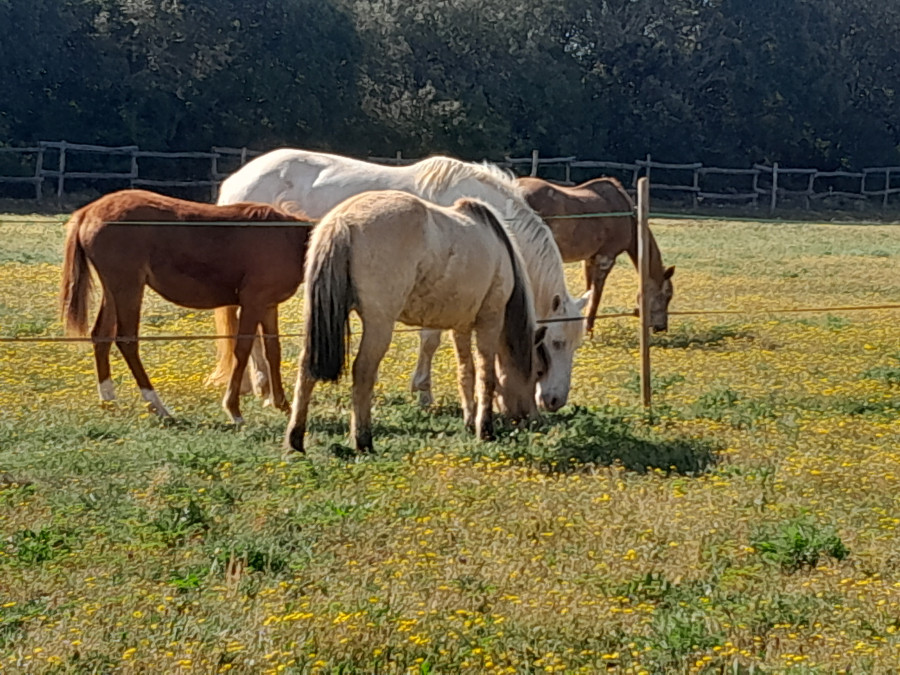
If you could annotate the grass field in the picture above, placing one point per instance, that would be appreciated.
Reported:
(752, 525)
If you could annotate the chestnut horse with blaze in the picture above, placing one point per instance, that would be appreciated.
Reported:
(204, 259)
(598, 240)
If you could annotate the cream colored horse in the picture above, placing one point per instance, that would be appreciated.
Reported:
(317, 182)
(391, 256)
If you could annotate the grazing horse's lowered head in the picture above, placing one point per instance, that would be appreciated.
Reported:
(660, 292)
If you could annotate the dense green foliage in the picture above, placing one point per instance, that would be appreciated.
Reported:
(809, 82)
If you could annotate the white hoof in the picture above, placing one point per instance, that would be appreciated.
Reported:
(107, 390)
(155, 403)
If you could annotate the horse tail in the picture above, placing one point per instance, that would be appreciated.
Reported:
(519, 322)
(75, 288)
(330, 295)
(226, 320)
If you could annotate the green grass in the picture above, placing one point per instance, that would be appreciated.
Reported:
(748, 524)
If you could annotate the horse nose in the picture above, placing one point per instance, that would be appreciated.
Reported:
(553, 402)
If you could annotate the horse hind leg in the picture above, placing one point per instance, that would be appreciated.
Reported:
(486, 340)
(429, 341)
(296, 429)
(226, 324)
(247, 326)
(273, 358)
(373, 346)
(102, 333)
(128, 315)
(258, 372)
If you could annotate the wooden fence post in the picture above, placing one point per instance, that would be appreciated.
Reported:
(887, 187)
(243, 155)
(39, 174)
(643, 213)
(534, 162)
(696, 187)
(134, 167)
(774, 200)
(61, 179)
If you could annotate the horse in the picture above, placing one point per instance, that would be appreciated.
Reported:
(316, 182)
(392, 256)
(598, 241)
(201, 267)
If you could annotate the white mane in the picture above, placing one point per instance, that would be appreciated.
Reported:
(543, 260)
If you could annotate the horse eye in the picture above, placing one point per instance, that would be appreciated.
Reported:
(558, 344)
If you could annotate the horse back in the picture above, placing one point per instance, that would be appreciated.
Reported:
(196, 266)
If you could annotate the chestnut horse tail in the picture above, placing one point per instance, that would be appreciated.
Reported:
(330, 295)
(75, 289)
(226, 319)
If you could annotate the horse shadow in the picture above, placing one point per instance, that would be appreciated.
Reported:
(578, 438)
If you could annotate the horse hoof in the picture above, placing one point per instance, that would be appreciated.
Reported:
(107, 391)
(364, 442)
(426, 400)
(294, 440)
(154, 403)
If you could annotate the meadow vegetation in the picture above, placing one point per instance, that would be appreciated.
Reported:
(750, 524)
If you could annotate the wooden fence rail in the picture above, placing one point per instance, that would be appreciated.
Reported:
(56, 161)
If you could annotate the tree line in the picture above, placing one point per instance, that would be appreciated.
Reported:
(725, 82)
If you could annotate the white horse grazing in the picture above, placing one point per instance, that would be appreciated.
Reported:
(392, 257)
(316, 182)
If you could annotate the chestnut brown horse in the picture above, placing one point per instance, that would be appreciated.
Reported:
(599, 241)
(193, 265)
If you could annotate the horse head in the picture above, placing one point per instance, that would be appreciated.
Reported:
(565, 329)
(515, 392)
(660, 292)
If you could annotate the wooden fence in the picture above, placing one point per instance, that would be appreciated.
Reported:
(57, 162)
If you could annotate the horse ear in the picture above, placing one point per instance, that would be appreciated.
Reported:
(669, 272)
(539, 335)
(556, 303)
(583, 300)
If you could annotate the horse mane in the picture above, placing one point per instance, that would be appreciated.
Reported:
(518, 323)
(535, 240)
(439, 173)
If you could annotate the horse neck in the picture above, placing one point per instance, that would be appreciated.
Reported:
(656, 265)
(543, 263)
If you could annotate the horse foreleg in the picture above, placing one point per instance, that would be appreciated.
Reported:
(465, 375)
(486, 340)
(372, 347)
(247, 325)
(103, 331)
(429, 341)
(296, 429)
(273, 358)
(128, 315)
(600, 269)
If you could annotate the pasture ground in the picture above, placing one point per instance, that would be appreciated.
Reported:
(752, 525)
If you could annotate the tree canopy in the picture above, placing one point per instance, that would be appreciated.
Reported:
(727, 82)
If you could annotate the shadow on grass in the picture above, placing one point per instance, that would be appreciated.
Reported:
(577, 438)
(688, 336)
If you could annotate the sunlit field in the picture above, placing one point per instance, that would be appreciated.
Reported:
(751, 524)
